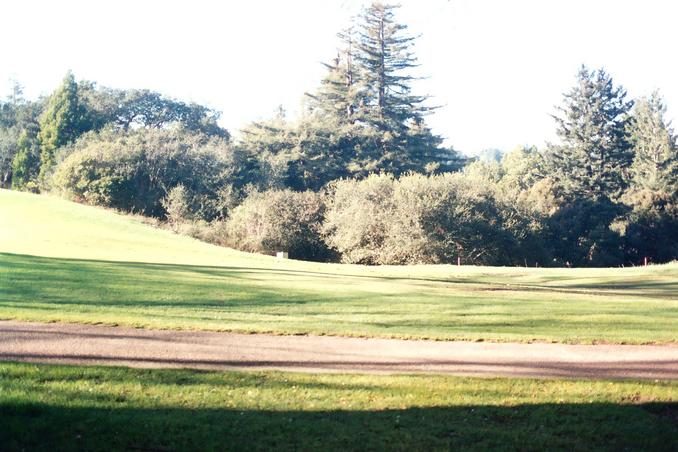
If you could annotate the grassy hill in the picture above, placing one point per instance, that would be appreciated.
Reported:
(61, 261)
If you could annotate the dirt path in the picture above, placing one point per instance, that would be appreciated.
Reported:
(87, 344)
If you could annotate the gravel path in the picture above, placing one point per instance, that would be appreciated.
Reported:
(103, 345)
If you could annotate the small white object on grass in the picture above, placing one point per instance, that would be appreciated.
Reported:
(282, 255)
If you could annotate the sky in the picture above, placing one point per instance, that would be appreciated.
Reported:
(497, 69)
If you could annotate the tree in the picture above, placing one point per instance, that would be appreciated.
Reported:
(19, 150)
(385, 59)
(365, 99)
(62, 122)
(651, 228)
(340, 93)
(26, 162)
(593, 158)
(583, 234)
(419, 219)
(655, 162)
(8, 149)
(129, 109)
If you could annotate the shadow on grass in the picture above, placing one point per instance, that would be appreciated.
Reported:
(598, 426)
(481, 280)
(57, 408)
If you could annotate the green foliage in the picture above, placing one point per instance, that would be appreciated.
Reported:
(651, 228)
(341, 93)
(594, 155)
(521, 169)
(176, 205)
(357, 218)
(113, 269)
(363, 117)
(19, 148)
(284, 220)
(419, 219)
(583, 233)
(135, 171)
(655, 162)
(26, 162)
(62, 122)
(307, 154)
(385, 56)
(130, 109)
(9, 137)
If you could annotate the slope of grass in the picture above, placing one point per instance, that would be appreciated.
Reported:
(61, 261)
(93, 408)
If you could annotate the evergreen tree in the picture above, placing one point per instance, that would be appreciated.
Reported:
(594, 156)
(655, 163)
(26, 163)
(339, 93)
(366, 96)
(385, 57)
(62, 122)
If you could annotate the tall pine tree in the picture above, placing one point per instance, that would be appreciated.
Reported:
(594, 156)
(339, 94)
(655, 162)
(368, 88)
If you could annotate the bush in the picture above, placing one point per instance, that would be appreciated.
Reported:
(357, 218)
(421, 219)
(176, 206)
(282, 220)
(134, 172)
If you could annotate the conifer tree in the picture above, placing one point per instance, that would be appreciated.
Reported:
(62, 122)
(339, 93)
(367, 93)
(386, 57)
(594, 156)
(655, 162)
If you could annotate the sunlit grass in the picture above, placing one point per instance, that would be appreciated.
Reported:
(75, 263)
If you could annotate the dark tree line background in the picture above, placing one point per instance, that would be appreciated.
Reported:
(359, 177)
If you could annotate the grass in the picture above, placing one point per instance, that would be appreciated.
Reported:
(61, 261)
(93, 408)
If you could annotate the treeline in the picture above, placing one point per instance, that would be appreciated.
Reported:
(359, 177)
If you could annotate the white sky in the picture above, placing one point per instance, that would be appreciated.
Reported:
(497, 67)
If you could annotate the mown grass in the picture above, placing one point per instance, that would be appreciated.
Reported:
(295, 301)
(93, 408)
(61, 261)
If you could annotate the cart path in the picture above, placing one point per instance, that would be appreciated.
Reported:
(104, 345)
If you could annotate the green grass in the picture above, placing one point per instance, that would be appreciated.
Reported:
(61, 261)
(92, 408)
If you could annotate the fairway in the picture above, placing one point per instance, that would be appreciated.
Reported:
(61, 261)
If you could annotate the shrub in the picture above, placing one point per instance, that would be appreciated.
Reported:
(281, 220)
(421, 219)
(134, 172)
(176, 205)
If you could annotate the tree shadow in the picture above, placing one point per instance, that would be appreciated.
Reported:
(62, 408)
(597, 426)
